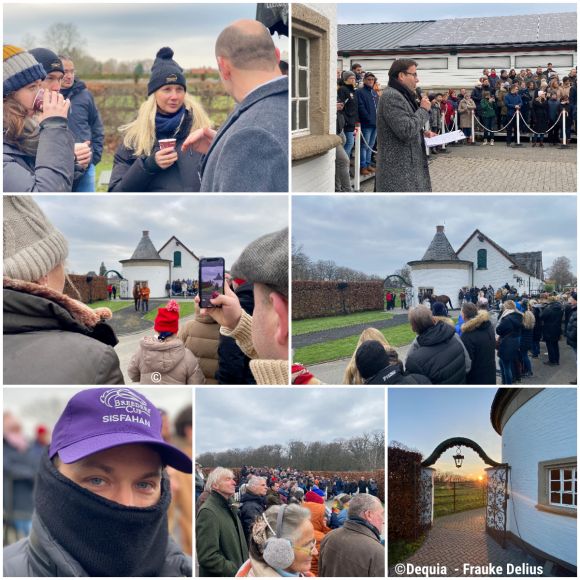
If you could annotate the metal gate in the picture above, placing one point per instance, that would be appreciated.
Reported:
(496, 508)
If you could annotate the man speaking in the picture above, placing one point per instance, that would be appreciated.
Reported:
(401, 119)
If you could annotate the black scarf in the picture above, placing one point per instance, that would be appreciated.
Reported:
(366, 524)
(104, 537)
(409, 96)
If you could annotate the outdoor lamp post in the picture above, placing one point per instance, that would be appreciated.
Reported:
(458, 458)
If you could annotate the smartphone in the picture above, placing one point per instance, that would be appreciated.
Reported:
(211, 280)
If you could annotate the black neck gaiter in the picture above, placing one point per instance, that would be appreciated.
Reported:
(104, 537)
(409, 96)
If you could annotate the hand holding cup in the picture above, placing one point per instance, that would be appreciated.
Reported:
(83, 154)
(166, 156)
(53, 105)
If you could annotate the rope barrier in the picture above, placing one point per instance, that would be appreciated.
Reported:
(547, 130)
(498, 130)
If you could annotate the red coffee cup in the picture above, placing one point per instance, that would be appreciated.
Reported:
(38, 103)
(167, 143)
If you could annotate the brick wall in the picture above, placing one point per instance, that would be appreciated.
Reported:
(315, 299)
(98, 289)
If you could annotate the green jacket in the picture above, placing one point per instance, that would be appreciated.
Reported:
(220, 541)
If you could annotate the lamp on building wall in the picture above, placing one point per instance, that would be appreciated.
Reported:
(458, 458)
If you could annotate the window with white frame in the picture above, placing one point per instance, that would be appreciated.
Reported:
(300, 85)
(481, 62)
(562, 487)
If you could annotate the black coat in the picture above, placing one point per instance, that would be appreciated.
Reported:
(347, 95)
(509, 329)
(540, 116)
(478, 337)
(526, 339)
(571, 330)
(537, 310)
(552, 319)
(252, 508)
(438, 355)
(395, 375)
(141, 173)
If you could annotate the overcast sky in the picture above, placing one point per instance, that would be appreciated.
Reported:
(350, 13)
(238, 418)
(423, 418)
(126, 31)
(108, 227)
(380, 234)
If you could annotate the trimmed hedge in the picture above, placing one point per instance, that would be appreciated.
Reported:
(98, 289)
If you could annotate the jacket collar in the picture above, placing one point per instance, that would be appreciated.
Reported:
(363, 527)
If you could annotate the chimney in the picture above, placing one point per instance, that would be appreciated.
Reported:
(440, 229)
(145, 233)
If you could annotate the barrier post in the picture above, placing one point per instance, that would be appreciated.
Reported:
(473, 142)
(357, 159)
(564, 144)
(517, 143)
(443, 131)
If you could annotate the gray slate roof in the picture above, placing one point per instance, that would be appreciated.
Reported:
(440, 249)
(521, 29)
(529, 262)
(145, 249)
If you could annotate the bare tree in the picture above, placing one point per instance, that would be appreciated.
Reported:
(64, 38)
(560, 272)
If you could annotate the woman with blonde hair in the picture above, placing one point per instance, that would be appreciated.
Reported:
(351, 375)
(148, 158)
(526, 341)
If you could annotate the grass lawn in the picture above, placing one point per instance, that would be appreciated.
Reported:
(114, 305)
(326, 323)
(185, 309)
(106, 163)
(344, 347)
(465, 499)
(402, 549)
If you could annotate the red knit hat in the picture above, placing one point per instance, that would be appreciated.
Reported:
(313, 497)
(167, 319)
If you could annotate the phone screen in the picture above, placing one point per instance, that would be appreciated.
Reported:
(211, 280)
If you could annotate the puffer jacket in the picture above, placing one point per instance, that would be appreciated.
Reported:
(509, 329)
(40, 556)
(439, 355)
(52, 339)
(395, 375)
(478, 337)
(552, 321)
(201, 336)
(168, 359)
(571, 330)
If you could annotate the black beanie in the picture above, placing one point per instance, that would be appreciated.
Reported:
(48, 59)
(371, 357)
(165, 71)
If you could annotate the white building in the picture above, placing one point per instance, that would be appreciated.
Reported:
(479, 262)
(184, 263)
(538, 430)
(452, 53)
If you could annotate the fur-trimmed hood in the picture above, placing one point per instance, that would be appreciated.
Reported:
(476, 321)
(445, 319)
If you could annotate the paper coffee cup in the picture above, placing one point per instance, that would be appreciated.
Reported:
(167, 143)
(38, 103)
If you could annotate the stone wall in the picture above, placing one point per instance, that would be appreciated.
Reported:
(98, 289)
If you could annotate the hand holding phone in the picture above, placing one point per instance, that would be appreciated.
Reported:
(211, 280)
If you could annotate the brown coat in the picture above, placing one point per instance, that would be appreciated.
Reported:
(201, 336)
(352, 551)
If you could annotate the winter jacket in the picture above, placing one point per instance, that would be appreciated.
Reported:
(353, 551)
(53, 168)
(509, 329)
(435, 116)
(251, 508)
(478, 337)
(402, 163)
(466, 106)
(395, 375)
(553, 110)
(201, 336)
(168, 359)
(84, 120)
(488, 109)
(511, 101)
(39, 555)
(438, 354)
(349, 96)
(477, 95)
(552, 321)
(131, 173)
(318, 519)
(368, 101)
(540, 116)
(51, 339)
(250, 151)
(571, 330)
(537, 310)
(526, 339)
(220, 542)
(337, 519)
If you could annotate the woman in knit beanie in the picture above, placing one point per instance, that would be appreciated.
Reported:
(150, 157)
(163, 359)
(49, 338)
(38, 147)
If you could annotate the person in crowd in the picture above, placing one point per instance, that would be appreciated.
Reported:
(513, 102)
(478, 337)
(553, 114)
(362, 485)
(318, 516)
(39, 149)
(359, 74)
(552, 315)
(250, 151)
(273, 495)
(347, 95)
(137, 296)
(488, 116)
(476, 96)
(149, 157)
(437, 352)
(564, 108)
(339, 511)
(253, 503)
(467, 107)
(220, 541)
(84, 121)
(352, 375)
(163, 359)
(41, 322)
(368, 100)
(549, 72)
(402, 163)
(282, 543)
(501, 108)
(202, 336)
(342, 162)
(509, 330)
(526, 340)
(373, 487)
(435, 116)
(540, 118)
(536, 307)
(571, 327)
(100, 472)
(199, 481)
(355, 549)
(145, 292)
(527, 99)
(378, 364)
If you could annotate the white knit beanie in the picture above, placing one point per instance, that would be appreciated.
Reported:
(32, 245)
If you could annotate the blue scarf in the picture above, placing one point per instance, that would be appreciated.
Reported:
(167, 126)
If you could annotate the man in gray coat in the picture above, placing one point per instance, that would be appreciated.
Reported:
(402, 157)
(250, 151)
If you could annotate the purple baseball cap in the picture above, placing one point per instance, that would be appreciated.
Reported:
(98, 419)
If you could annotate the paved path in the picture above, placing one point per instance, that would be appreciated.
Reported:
(129, 321)
(460, 539)
(513, 169)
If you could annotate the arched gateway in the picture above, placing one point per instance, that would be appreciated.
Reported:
(496, 493)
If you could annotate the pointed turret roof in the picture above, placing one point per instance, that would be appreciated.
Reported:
(440, 249)
(145, 249)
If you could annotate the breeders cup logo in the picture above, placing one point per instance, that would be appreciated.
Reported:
(131, 407)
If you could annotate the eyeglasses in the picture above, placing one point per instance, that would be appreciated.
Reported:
(410, 74)
(308, 549)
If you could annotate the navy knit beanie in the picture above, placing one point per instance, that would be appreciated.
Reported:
(48, 59)
(371, 357)
(165, 71)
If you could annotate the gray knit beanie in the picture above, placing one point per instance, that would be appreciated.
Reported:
(32, 245)
(265, 261)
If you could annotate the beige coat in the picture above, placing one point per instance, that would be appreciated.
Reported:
(165, 362)
(201, 336)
